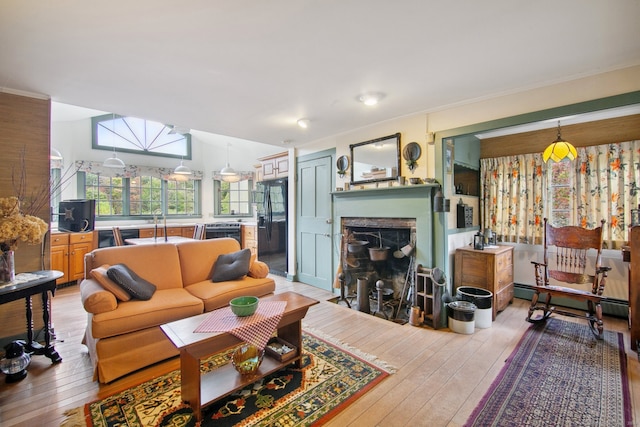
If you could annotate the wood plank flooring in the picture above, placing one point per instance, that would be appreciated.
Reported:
(440, 375)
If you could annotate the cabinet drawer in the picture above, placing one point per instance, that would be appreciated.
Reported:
(505, 277)
(174, 231)
(188, 231)
(80, 237)
(146, 232)
(503, 298)
(504, 261)
(59, 239)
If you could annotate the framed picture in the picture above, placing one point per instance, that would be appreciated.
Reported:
(448, 156)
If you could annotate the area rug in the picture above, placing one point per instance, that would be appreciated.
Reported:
(560, 375)
(332, 376)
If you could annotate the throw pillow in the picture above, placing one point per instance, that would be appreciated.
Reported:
(100, 276)
(131, 282)
(231, 266)
(258, 270)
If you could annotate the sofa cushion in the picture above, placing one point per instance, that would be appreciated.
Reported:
(135, 285)
(219, 295)
(100, 275)
(198, 256)
(166, 305)
(231, 266)
(159, 263)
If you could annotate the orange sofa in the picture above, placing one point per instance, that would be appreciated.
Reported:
(124, 336)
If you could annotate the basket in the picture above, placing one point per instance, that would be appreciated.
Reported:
(275, 344)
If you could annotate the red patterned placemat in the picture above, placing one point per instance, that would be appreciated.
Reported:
(255, 329)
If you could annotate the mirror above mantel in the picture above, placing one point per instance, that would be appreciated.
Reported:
(375, 160)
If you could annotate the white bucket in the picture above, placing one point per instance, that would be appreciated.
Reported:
(483, 317)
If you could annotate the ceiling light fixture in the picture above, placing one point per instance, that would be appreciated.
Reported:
(182, 169)
(304, 123)
(228, 173)
(559, 149)
(114, 161)
(370, 98)
(55, 154)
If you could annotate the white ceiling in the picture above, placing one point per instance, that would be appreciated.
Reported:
(249, 69)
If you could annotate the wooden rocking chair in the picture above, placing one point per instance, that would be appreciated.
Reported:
(566, 265)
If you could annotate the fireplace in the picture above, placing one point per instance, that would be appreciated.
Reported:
(374, 225)
(372, 252)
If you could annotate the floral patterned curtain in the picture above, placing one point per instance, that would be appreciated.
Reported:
(607, 181)
(513, 192)
(511, 197)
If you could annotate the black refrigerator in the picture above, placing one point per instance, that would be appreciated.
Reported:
(271, 201)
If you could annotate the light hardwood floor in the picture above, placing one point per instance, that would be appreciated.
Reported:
(440, 375)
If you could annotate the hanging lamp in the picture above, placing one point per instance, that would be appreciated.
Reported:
(55, 154)
(113, 161)
(559, 149)
(228, 173)
(182, 169)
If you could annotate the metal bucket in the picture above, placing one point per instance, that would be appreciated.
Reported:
(379, 254)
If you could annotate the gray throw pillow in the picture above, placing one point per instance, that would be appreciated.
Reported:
(231, 266)
(135, 285)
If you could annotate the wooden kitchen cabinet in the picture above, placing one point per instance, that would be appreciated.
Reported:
(490, 269)
(188, 231)
(67, 254)
(249, 238)
(80, 244)
(60, 255)
(276, 166)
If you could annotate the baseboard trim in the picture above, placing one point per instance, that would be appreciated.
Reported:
(611, 307)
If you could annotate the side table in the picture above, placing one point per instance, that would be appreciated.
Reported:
(42, 282)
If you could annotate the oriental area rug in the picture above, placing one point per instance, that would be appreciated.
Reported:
(333, 375)
(560, 375)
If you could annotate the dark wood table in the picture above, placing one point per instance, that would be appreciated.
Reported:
(201, 390)
(45, 282)
(155, 240)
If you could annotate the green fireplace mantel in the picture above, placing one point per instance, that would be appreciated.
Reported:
(410, 201)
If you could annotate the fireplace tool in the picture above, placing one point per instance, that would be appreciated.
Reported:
(408, 251)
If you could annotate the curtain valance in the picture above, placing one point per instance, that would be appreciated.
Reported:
(132, 171)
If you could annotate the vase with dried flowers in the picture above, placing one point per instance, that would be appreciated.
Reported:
(16, 227)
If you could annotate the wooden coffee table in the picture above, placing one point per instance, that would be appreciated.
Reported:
(201, 390)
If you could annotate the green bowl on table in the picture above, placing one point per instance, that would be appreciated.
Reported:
(244, 306)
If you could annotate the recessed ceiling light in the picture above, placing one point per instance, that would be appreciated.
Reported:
(370, 98)
(304, 123)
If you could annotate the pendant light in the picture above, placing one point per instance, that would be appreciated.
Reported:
(228, 173)
(182, 169)
(559, 149)
(114, 161)
(55, 154)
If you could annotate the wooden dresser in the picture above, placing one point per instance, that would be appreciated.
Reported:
(490, 269)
